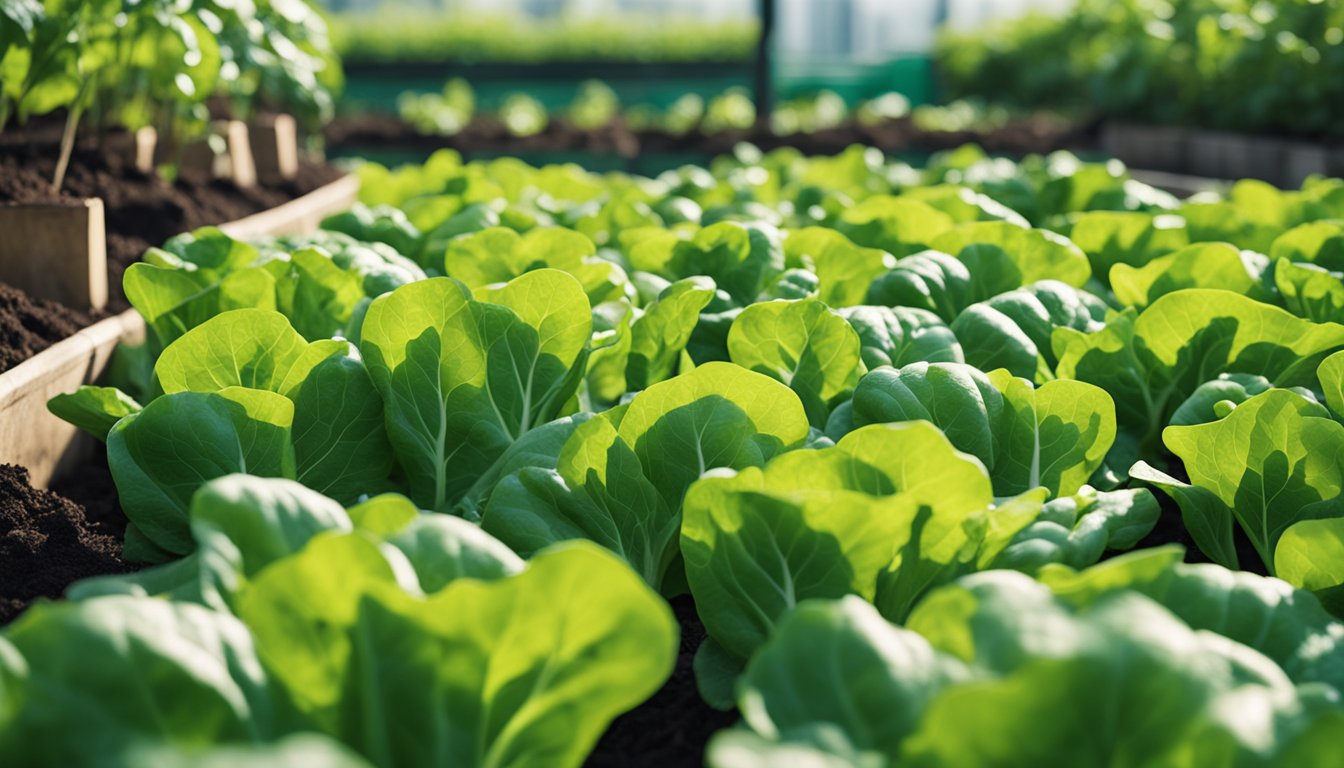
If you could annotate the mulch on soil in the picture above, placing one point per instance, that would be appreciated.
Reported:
(671, 729)
(48, 542)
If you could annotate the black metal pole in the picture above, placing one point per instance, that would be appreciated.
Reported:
(764, 90)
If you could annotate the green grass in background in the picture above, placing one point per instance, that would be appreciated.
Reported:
(403, 36)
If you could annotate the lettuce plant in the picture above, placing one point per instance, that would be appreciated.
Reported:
(432, 473)
(1271, 463)
(295, 615)
(837, 685)
(463, 378)
(1053, 436)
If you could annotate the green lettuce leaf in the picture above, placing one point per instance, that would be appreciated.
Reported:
(803, 344)
(129, 670)
(160, 456)
(1275, 460)
(480, 673)
(620, 478)
(462, 379)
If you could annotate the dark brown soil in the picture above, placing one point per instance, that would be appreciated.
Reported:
(48, 542)
(91, 487)
(1033, 135)
(671, 729)
(140, 210)
(29, 325)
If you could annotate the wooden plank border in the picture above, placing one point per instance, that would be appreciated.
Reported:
(31, 436)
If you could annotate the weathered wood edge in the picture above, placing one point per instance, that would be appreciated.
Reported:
(31, 436)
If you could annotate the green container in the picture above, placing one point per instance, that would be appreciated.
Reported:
(858, 81)
(376, 87)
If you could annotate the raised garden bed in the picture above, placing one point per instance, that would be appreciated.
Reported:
(356, 134)
(33, 438)
(527, 507)
(53, 538)
(1284, 162)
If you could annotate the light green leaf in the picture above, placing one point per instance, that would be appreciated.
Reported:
(300, 749)
(462, 379)
(1153, 362)
(1274, 461)
(442, 549)
(482, 673)
(251, 348)
(843, 269)
(658, 336)
(300, 610)
(718, 415)
(1319, 242)
(1126, 237)
(174, 300)
(740, 259)
(1201, 265)
(752, 554)
(94, 409)
(964, 204)
(1054, 436)
(897, 225)
(1310, 555)
(384, 514)
(620, 479)
(1331, 376)
(316, 295)
(1032, 254)
(1203, 405)
(1310, 291)
(802, 344)
(498, 255)
(242, 523)
(1223, 222)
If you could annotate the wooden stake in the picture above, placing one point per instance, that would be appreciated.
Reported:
(56, 251)
(275, 148)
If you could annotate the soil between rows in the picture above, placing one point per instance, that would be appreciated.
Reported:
(486, 134)
(48, 541)
(140, 210)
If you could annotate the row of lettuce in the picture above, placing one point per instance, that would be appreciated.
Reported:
(418, 485)
(596, 105)
(1239, 65)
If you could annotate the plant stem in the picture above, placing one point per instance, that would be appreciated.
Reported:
(68, 137)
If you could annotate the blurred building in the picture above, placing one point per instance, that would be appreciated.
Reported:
(876, 29)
